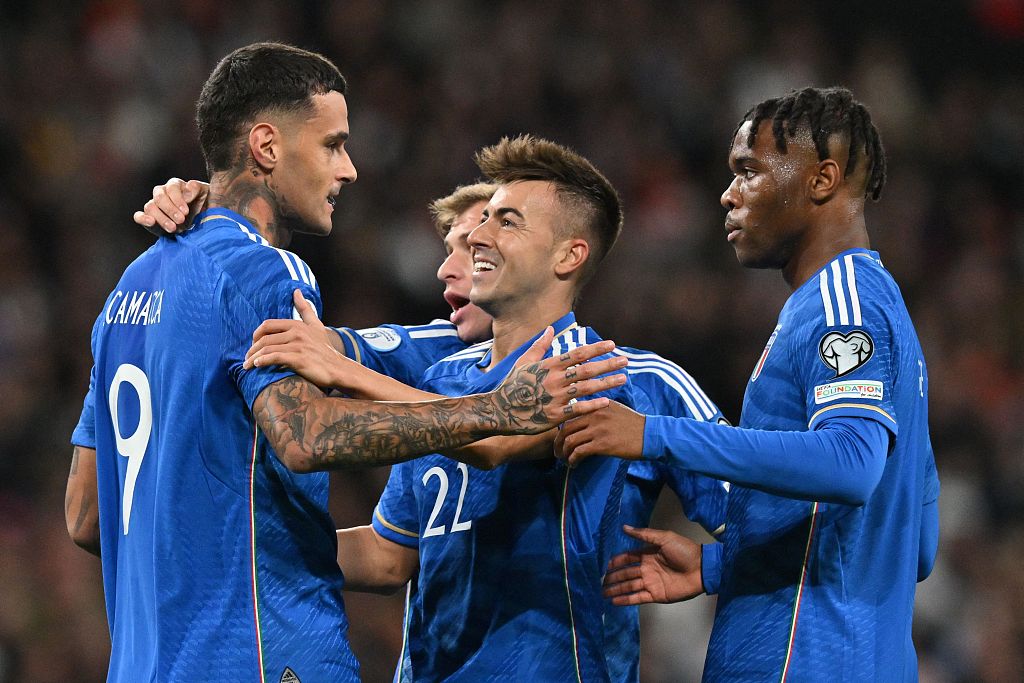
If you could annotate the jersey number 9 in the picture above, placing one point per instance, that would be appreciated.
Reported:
(134, 446)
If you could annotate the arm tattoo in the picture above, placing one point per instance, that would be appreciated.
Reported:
(312, 432)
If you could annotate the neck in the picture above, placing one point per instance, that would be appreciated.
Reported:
(249, 194)
(831, 235)
(513, 330)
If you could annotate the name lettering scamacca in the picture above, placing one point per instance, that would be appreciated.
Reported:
(135, 308)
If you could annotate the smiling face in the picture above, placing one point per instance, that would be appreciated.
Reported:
(313, 165)
(456, 272)
(767, 199)
(514, 248)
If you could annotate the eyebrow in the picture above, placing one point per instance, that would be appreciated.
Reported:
(740, 161)
(335, 138)
(499, 212)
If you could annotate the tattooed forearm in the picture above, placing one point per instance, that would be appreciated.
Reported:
(310, 432)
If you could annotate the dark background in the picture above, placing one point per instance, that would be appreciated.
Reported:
(96, 104)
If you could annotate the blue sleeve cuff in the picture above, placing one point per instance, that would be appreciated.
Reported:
(392, 532)
(711, 567)
(654, 437)
(348, 340)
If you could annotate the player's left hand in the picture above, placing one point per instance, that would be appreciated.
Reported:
(616, 431)
(301, 345)
(667, 569)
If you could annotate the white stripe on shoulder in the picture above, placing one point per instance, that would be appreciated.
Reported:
(837, 284)
(287, 263)
(476, 351)
(826, 298)
(851, 282)
(638, 360)
(436, 332)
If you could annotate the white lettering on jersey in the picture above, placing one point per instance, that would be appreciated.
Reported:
(136, 308)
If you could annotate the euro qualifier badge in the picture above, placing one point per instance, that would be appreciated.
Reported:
(844, 353)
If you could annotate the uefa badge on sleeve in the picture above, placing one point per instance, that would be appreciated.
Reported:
(844, 353)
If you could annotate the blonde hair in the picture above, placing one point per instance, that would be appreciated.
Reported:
(445, 210)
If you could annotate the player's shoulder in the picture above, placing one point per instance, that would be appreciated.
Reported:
(245, 255)
(467, 356)
(666, 384)
(851, 288)
(389, 336)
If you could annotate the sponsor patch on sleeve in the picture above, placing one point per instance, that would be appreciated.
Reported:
(833, 391)
(381, 338)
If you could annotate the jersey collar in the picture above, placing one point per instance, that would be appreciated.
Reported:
(219, 212)
(563, 324)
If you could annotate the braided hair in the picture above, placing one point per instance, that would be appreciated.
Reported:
(824, 112)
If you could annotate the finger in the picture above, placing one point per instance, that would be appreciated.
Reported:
(538, 348)
(304, 308)
(167, 206)
(270, 357)
(593, 386)
(143, 219)
(651, 536)
(585, 407)
(280, 339)
(582, 354)
(275, 326)
(596, 367)
(623, 587)
(174, 190)
(641, 598)
(625, 559)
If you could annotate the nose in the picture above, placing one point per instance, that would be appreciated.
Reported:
(482, 235)
(448, 269)
(347, 170)
(730, 198)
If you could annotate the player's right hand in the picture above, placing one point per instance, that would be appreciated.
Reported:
(541, 394)
(667, 569)
(173, 205)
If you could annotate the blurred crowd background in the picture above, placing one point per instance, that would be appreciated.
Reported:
(96, 106)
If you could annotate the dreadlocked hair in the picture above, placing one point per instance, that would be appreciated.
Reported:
(824, 112)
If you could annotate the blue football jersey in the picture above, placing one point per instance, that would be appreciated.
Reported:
(218, 562)
(402, 352)
(511, 559)
(816, 591)
(660, 387)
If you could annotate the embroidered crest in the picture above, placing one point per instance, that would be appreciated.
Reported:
(764, 354)
(288, 676)
(844, 353)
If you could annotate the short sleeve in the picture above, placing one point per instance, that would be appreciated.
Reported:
(85, 432)
(400, 352)
(844, 354)
(396, 517)
(244, 315)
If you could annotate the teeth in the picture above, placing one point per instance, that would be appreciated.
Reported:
(482, 265)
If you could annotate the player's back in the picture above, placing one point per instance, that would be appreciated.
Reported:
(214, 554)
(814, 589)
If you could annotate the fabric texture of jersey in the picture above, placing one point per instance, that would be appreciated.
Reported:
(660, 387)
(511, 559)
(403, 352)
(218, 562)
(815, 591)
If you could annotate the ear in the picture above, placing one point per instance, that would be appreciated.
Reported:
(571, 255)
(826, 180)
(264, 145)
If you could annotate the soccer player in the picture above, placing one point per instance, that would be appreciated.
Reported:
(218, 553)
(835, 413)
(375, 564)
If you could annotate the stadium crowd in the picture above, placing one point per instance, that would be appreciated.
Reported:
(97, 107)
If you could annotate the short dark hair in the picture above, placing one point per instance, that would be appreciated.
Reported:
(251, 81)
(824, 112)
(577, 182)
